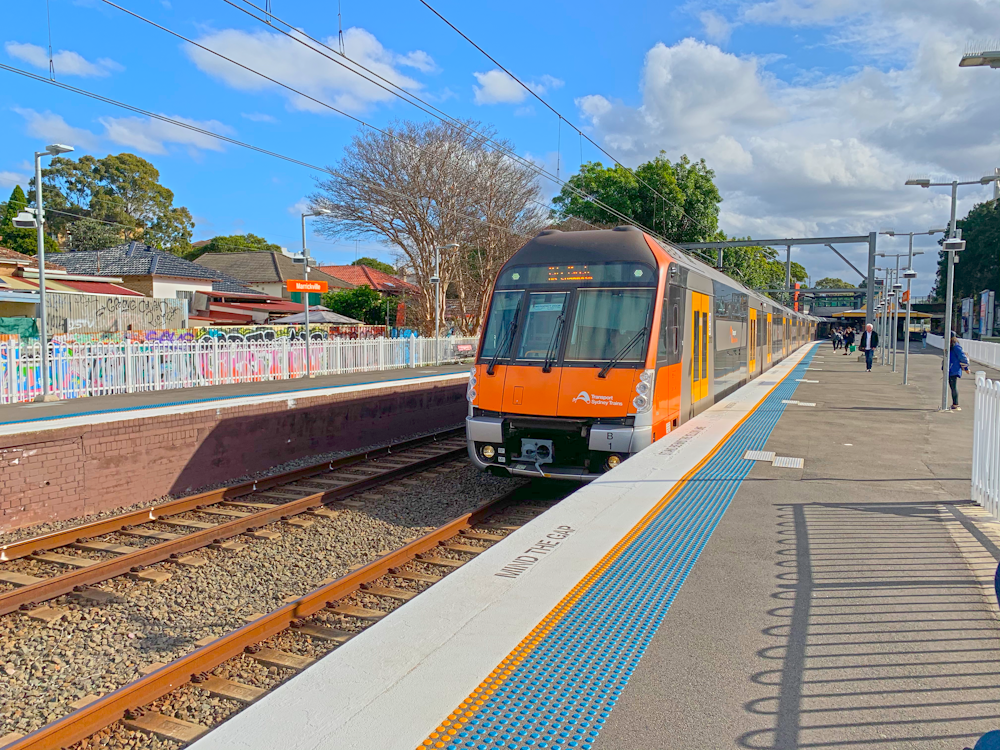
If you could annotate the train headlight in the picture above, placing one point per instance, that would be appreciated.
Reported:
(644, 392)
(470, 393)
(613, 461)
(488, 452)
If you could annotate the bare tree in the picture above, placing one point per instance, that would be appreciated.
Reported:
(426, 185)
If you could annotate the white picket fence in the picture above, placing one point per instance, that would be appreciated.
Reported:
(91, 369)
(986, 445)
(984, 352)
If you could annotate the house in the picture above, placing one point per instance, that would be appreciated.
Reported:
(267, 272)
(380, 281)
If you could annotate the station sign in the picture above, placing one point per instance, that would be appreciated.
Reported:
(298, 285)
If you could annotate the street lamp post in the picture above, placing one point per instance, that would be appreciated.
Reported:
(951, 246)
(53, 150)
(305, 264)
(436, 281)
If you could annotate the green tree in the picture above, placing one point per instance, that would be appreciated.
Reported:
(979, 266)
(21, 240)
(361, 303)
(677, 200)
(376, 264)
(831, 282)
(235, 243)
(91, 234)
(122, 188)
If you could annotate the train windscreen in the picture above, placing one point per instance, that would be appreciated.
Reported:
(499, 328)
(606, 320)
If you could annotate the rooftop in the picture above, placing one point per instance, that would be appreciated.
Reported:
(257, 267)
(380, 281)
(11, 256)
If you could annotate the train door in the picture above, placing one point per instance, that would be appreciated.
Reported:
(699, 346)
(752, 342)
(669, 363)
(770, 330)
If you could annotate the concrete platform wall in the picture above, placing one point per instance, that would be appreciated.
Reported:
(63, 473)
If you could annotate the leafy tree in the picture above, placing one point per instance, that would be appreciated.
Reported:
(676, 200)
(91, 234)
(376, 264)
(234, 243)
(361, 303)
(122, 188)
(979, 263)
(21, 240)
(831, 282)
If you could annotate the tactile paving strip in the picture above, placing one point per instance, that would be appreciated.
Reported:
(557, 688)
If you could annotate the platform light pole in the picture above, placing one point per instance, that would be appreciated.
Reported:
(305, 264)
(53, 150)
(951, 245)
(436, 281)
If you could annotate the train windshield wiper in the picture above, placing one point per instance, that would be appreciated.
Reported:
(622, 352)
(505, 340)
(550, 354)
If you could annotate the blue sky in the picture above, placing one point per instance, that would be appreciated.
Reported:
(813, 112)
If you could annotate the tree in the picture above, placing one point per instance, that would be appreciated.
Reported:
(676, 200)
(124, 189)
(235, 243)
(831, 282)
(979, 266)
(91, 234)
(376, 264)
(361, 303)
(23, 241)
(420, 186)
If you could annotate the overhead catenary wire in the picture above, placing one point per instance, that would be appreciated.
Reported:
(243, 144)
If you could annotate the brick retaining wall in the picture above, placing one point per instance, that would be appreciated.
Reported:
(74, 471)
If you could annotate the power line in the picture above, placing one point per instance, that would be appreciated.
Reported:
(241, 144)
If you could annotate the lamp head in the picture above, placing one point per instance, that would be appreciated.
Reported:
(25, 220)
(890, 232)
(936, 231)
(57, 148)
(909, 273)
(449, 246)
(923, 182)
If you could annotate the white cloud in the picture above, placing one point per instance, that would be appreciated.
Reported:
(52, 128)
(286, 60)
(154, 136)
(258, 117)
(824, 154)
(717, 28)
(143, 134)
(65, 62)
(496, 87)
(10, 179)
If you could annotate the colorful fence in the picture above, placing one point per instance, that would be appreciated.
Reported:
(986, 445)
(78, 369)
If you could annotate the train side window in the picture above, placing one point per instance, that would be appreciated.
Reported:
(676, 329)
(704, 345)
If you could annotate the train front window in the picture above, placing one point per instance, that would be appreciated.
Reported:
(498, 329)
(605, 321)
(545, 312)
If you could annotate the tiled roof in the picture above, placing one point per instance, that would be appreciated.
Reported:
(28, 260)
(259, 267)
(137, 259)
(377, 280)
(100, 287)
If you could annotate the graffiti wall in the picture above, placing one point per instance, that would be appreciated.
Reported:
(100, 313)
(226, 333)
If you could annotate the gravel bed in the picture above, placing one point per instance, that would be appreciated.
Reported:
(25, 532)
(97, 648)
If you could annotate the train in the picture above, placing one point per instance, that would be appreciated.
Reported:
(598, 343)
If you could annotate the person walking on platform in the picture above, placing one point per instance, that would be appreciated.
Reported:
(848, 340)
(838, 338)
(869, 340)
(923, 338)
(957, 363)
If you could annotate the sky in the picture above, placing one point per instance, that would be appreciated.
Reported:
(813, 113)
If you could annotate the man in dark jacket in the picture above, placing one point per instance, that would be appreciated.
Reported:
(868, 341)
(848, 340)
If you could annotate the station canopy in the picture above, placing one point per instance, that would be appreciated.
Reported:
(860, 313)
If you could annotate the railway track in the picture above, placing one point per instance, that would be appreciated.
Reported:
(71, 560)
(316, 623)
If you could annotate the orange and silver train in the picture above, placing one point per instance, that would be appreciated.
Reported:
(598, 343)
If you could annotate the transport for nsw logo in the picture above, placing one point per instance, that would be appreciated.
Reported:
(596, 400)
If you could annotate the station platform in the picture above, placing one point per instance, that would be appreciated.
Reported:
(835, 594)
(66, 459)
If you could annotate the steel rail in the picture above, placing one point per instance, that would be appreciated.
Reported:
(63, 537)
(103, 712)
(65, 583)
